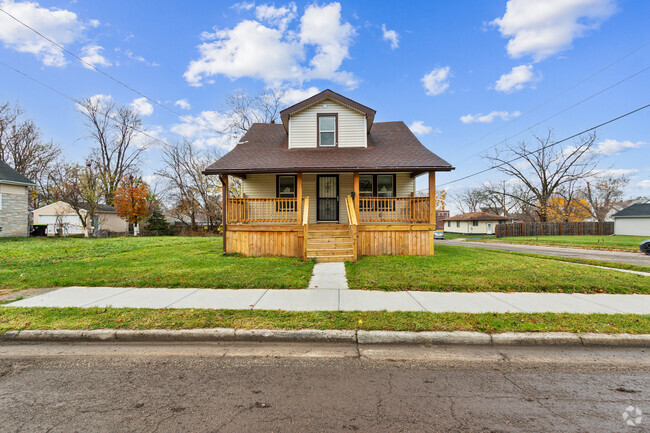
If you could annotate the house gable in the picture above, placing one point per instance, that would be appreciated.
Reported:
(351, 125)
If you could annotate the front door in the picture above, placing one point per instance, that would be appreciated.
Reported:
(327, 197)
(489, 228)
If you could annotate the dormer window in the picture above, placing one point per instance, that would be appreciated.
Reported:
(327, 130)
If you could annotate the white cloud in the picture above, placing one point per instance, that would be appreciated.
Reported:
(142, 107)
(243, 6)
(138, 58)
(102, 102)
(279, 17)
(183, 103)
(150, 138)
(62, 26)
(611, 147)
(489, 118)
(293, 96)
(541, 28)
(644, 184)
(391, 36)
(436, 81)
(277, 55)
(202, 137)
(94, 23)
(516, 79)
(92, 54)
(615, 171)
(419, 128)
(322, 27)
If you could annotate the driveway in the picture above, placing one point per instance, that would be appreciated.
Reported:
(580, 253)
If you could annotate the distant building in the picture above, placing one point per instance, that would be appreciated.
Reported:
(474, 223)
(62, 219)
(634, 220)
(14, 203)
(440, 216)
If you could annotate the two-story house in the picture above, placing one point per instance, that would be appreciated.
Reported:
(328, 183)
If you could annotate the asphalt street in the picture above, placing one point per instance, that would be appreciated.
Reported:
(581, 253)
(259, 387)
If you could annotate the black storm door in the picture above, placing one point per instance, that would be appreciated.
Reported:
(327, 194)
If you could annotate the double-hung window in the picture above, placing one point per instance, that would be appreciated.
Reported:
(327, 130)
(286, 188)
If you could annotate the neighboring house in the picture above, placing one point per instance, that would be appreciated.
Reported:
(328, 183)
(633, 220)
(472, 223)
(62, 219)
(14, 203)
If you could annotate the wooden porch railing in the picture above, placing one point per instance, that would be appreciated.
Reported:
(352, 224)
(305, 226)
(394, 209)
(262, 210)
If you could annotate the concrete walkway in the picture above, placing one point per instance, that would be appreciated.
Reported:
(339, 299)
(581, 253)
(328, 276)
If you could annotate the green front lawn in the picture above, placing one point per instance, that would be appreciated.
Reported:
(475, 270)
(15, 318)
(462, 236)
(141, 262)
(618, 243)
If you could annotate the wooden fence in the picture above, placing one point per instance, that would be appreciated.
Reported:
(554, 229)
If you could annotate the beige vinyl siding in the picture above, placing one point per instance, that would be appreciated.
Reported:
(263, 186)
(303, 126)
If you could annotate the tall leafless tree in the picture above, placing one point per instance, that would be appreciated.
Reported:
(603, 195)
(81, 188)
(117, 146)
(22, 147)
(193, 194)
(469, 200)
(243, 110)
(543, 169)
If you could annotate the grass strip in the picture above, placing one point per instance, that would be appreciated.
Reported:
(16, 318)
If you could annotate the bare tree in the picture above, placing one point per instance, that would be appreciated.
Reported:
(82, 190)
(193, 193)
(244, 110)
(499, 197)
(544, 170)
(469, 200)
(22, 147)
(603, 195)
(117, 149)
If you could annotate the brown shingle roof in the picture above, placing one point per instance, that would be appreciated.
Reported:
(478, 216)
(391, 147)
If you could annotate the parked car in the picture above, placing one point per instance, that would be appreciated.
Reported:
(438, 234)
(645, 247)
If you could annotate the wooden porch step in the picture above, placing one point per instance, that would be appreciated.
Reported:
(329, 244)
(331, 259)
(329, 252)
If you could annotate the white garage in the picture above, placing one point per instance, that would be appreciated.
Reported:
(634, 220)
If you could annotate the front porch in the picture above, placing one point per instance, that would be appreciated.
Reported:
(329, 216)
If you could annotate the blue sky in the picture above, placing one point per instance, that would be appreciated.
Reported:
(464, 74)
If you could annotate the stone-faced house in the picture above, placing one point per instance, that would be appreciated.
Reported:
(14, 199)
(330, 183)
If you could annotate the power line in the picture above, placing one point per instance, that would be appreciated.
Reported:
(547, 146)
(553, 98)
(109, 76)
(76, 101)
(563, 111)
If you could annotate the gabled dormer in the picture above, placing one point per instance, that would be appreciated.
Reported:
(327, 120)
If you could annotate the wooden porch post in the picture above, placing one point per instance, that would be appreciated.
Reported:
(356, 193)
(224, 208)
(299, 198)
(432, 207)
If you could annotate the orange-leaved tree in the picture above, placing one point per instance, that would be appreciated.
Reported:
(131, 200)
(561, 210)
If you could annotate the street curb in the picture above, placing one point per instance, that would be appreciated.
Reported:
(329, 336)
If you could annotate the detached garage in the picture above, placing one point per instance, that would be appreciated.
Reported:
(634, 220)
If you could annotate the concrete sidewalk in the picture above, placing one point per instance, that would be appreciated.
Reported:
(339, 300)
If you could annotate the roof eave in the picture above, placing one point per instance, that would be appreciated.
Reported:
(209, 171)
(13, 182)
